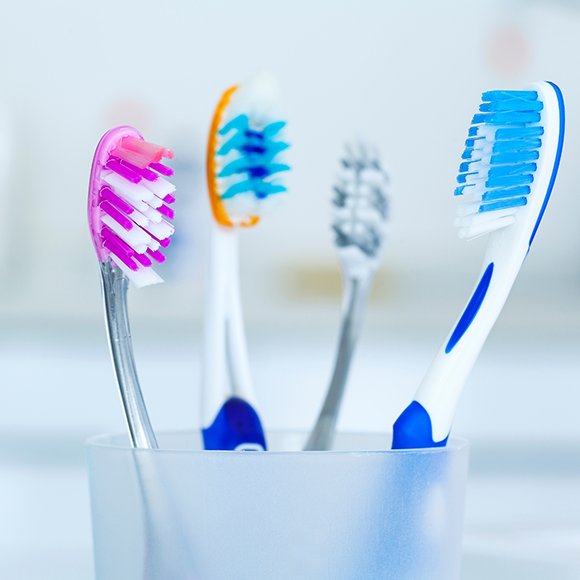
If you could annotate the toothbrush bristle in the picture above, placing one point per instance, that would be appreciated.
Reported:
(245, 156)
(127, 213)
(360, 201)
(141, 153)
(499, 161)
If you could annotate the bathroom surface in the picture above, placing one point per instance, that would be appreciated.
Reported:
(522, 519)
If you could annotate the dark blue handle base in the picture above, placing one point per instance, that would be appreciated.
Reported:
(236, 424)
(413, 429)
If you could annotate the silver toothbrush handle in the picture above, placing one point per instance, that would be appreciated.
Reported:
(114, 285)
(355, 296)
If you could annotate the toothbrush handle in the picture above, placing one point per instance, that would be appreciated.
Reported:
(214, 324)
(114, 286)
(225, 352)
(355, 296)
(237, 360)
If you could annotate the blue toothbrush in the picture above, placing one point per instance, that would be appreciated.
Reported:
(509, 168)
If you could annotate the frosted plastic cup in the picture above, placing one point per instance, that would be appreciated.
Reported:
(360, 511)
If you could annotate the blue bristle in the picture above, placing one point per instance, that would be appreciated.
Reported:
(505, 192)
(248, 149)
(506, 118)
(509, 180)
(256, 185)
(516, 169)
(511, 105)
(241, 122)
(503, 204)
(273, 128)
(503, 95)
(462, 178)
(258, 151)
(503, 178)
(469, 143)
(237, 141)
(516, 145)
(253, 134)
(518, 132)
(514, 157)
(257, 171)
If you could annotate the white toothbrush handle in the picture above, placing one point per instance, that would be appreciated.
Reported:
(354, 300)
(214, 335)
(237, 350)
(225, 352)
(440, 390)
(114, 286)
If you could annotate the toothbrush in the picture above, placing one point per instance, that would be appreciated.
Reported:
(360, 224)
(509, 166)
(127, 210)
(243, 160)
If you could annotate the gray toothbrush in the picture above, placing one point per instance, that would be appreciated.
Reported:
(360, 217)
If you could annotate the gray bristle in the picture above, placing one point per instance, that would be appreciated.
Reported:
(360, 201)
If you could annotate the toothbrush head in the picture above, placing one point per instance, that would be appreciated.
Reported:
(511, 160)
(360, 205)
(127, 204)
(244, 153)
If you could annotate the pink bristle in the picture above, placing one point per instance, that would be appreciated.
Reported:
(124, 248)
(118, 247)
(115, 250)
(153, 153)
(142, 171)
(122, 170)
(169, 198)
(110, 209)
(166, 211)
(163, 243)
(156, 255)
(143, 260)
(132, 157)
(106, 193)
(163, 169)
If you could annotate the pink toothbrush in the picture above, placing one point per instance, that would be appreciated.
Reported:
(127, 218)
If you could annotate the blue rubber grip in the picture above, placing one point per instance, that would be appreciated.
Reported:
(413, 429)
(471, 309)
(236, 424)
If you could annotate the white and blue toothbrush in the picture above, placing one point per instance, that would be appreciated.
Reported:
(244, 160)
(509, 166)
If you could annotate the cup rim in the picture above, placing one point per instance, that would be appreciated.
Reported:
(454, 444)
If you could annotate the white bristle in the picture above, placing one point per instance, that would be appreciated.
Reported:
(483, 217)
(160, 187)
(468, 208)
(259, 97)
(144, 276)
(476, 230)
(130, 191)
(136, 237)
(153, 215)
(155, 202)
(139, 218)
(161, 230)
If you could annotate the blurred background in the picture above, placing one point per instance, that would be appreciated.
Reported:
(405, 75)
